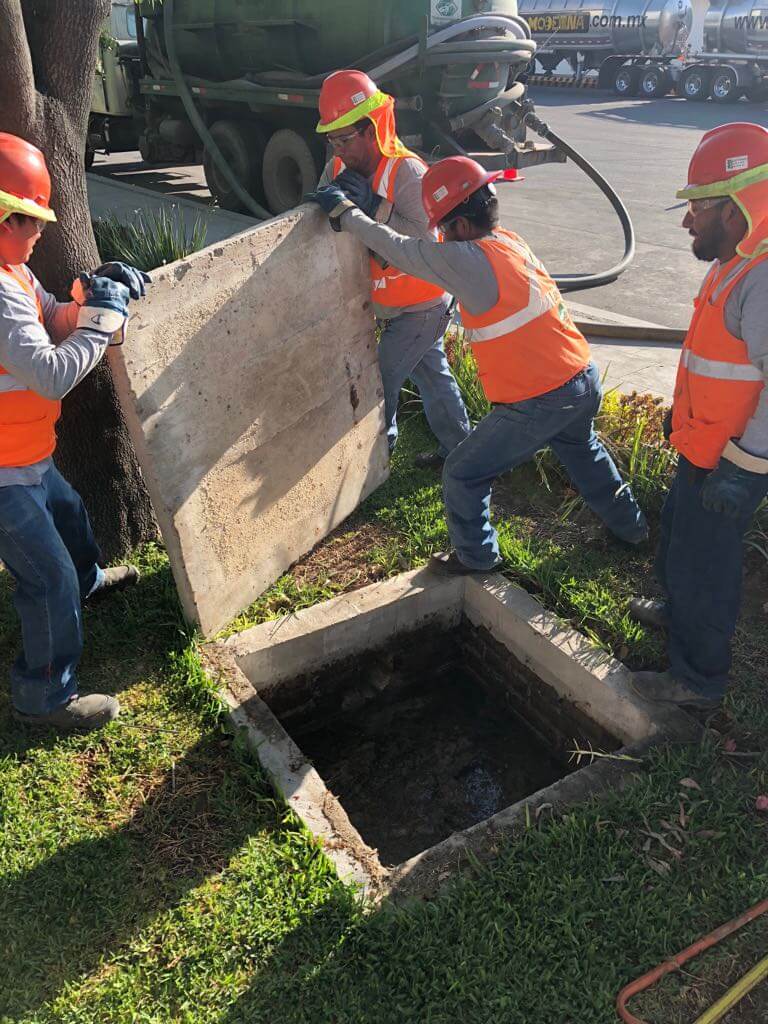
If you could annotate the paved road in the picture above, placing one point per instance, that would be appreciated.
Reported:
(641, 146)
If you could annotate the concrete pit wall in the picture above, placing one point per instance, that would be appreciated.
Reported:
(250, 383)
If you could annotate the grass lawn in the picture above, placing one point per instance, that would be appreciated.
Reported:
(147, 874)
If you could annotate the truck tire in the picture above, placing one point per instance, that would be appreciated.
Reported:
(724, 87)
(90, 156)
(654, 82)
(694, 84)
(242, 145)
(626, 81)
(291, 168)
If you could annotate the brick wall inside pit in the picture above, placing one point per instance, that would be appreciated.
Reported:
(561, 724)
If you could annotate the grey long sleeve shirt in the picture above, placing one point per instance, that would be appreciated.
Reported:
(49, 359)
(463, 270)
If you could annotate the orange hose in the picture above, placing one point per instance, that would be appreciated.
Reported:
(641, 984)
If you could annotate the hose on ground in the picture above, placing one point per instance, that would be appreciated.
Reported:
(199, 125)
(580, 282)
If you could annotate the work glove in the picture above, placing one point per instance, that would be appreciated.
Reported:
(105, 303)
(666, 425)
(358, 188)
(732, 490)
(333, 201)
(135, 280)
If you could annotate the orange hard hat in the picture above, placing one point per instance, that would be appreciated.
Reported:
(25, 184)
(449, 182)
(732, 151)
(347, 97)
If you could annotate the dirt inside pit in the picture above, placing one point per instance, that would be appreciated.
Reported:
(412, 744)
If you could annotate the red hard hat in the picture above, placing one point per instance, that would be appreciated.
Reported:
(342, 93)
(722, 154)
(25, 185)
(449, 182)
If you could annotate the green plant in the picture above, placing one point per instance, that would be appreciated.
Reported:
(151, 240)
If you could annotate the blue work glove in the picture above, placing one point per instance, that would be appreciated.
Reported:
(105, 304)
(731, 490)
(333, 201)
(358, 188)
(136, 281)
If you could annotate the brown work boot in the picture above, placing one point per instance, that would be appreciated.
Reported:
(79, 714)
(663, 688)
(449, 564)
(648, 612)
(118, 577)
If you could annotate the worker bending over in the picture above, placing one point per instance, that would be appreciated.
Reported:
(46, 542)
(384, 178)
(719, 421)
(533, 363)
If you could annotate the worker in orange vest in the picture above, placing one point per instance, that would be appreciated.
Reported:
(533, 363)
(46, 542)
(719, 421)
(371, 162)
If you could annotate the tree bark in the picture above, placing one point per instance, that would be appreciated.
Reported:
(49, 55)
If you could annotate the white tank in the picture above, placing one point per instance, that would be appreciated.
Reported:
(736, 26)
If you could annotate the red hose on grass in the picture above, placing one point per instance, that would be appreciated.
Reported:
(641, 984)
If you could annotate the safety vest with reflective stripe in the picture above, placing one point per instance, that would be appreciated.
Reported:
(390, 287)
(27, 431)
(717, 387)
(527, 343)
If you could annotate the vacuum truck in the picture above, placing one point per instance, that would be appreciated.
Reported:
(236, 83)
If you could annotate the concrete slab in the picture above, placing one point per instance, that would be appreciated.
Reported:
(251, 387)
(637, 365)
(107, 196)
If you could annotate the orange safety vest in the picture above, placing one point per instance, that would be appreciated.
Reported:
(717, 387)
(527, 343)
(390, 287)
(27, 431)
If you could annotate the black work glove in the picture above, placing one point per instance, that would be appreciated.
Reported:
(358, 189)
(666, 425)
(135, 280)
(732, 490)
(333, 201)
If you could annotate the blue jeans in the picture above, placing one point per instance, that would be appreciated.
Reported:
(512, 434)
(47, 545)
(699, 565)
(411, 345)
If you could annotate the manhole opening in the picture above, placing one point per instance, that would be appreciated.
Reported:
(431, 734)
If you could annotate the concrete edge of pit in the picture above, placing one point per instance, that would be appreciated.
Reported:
(332, 630)
(293, 778)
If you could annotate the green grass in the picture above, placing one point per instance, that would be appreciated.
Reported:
(147, 873)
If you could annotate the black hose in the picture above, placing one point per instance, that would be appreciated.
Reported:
(197, 122)
(580, 282)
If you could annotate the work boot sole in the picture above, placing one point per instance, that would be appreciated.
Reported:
(692, 704)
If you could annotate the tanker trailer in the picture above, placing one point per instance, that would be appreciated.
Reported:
(614, 38)
(726, 58)
(240, 79)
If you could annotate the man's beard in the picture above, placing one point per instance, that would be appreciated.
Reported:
(706, 249)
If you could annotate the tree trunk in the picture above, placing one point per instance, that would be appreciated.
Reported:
(45, 98)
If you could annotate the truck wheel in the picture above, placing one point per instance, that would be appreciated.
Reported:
(626, 81)
(654, 83)
(725, 86)
(242, 145)
(291, 168)
(695, 84)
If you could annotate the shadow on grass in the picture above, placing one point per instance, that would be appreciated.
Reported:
(84, 902)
